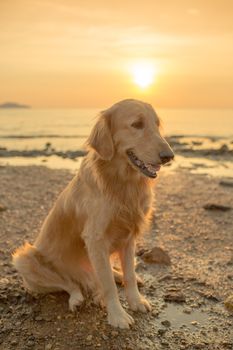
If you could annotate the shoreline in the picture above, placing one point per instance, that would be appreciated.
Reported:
(209, 156)
(188, 146)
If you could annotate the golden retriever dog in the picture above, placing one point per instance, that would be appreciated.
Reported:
(101, 212)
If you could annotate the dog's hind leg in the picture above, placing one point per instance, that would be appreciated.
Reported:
(39, 274)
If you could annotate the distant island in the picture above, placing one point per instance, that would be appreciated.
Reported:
(13, 105)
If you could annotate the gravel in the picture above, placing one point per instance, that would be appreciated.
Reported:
(197, 241)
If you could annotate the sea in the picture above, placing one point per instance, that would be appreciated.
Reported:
(67, 129)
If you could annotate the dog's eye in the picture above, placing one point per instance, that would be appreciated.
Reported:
(138, 124)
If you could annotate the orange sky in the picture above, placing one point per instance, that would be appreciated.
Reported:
(76, 53)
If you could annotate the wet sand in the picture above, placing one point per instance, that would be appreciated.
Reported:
(187, 296)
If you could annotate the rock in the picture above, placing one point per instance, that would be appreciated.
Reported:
(38, 318)
(161, 332)
(30, 343)
(156, 256)
(48, 346)
(226, 182)
(114, 333)
(213, 206)
(187, 311)
(2, 208)
(223, 149)
(14, 342)
(155, 313)
(208, 295)
(229, 302)
(174, 296)
(89, 337)
(166, 323)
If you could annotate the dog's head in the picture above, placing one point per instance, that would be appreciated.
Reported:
(130, 129)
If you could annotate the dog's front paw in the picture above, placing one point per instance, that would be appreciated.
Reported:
(139, 303)
(120, 318)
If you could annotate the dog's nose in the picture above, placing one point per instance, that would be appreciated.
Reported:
(166, 156)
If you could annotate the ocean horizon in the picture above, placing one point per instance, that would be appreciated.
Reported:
(68, 128)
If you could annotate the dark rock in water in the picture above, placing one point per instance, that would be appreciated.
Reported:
(213, 206)
(224, 148)
(156, 256)
(2, 208)
(197, 143)
(227, 183)
(48, 146)
(41, 153)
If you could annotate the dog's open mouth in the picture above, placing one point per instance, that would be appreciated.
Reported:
(147, 169)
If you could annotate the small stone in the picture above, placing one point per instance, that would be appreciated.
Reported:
(114, 333)
(48, 346)
(229, 302)
(174, 296)
(187, 310)
(156, 256)
(166, 323)
(227, 183)
(38, 318)
(14, 342)
(161, 332)
(105, 337)
(194, 323)
(155, 313)
(89, 337)
(30, 343)
(214, 206)
(2, 208)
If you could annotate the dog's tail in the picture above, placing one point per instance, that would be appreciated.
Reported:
(39, 274)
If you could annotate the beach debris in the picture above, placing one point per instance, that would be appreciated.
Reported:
(229, 302)
(174, 295)
(156, 256)
(226, 183)
(213, 206)
(2, 208)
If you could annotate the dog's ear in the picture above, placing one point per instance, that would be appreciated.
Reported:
(100, 138)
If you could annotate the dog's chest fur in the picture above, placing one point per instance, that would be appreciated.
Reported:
(131, 216)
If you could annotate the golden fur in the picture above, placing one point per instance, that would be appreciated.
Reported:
(106, 205)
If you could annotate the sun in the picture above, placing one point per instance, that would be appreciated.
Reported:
(144, 74)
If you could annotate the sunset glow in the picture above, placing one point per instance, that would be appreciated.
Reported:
(69, 53)
(143, 74)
